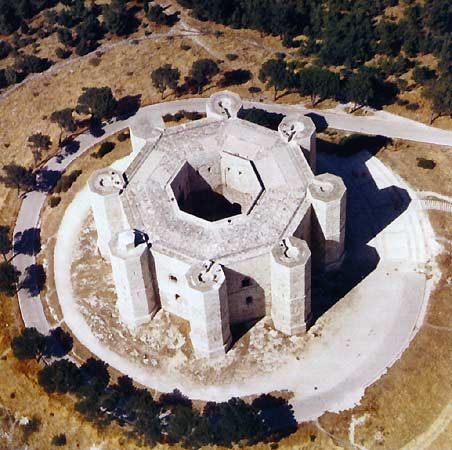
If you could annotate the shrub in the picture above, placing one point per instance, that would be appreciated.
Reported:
(59, 440)
(232, 56)
(424, 163)
(94, 61)
(412, 106)
(123, 136)
(54, 201)
(62, 53)
(105, 148)
(185, 47)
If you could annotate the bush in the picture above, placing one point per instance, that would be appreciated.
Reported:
(54, 201)
(424, 163)
(185, 47)
(105, 148)
(95, 61)
(59, 440)
(232, 56)
(63, 53)
(123, 136)
(412, 106)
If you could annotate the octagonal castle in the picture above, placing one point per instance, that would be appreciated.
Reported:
(217, 221)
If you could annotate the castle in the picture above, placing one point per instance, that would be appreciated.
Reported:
(216, 221)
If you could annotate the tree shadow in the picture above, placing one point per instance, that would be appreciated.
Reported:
(261, 117)
(369, 211)
(27, 242)
(34, 280)
(128, 106)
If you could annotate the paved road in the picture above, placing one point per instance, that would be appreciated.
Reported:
(29, 214)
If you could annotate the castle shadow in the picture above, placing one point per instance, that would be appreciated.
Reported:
(369, 211)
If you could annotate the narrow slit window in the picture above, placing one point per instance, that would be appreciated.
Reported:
(246, 282)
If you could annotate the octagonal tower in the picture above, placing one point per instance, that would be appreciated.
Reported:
(233, 212)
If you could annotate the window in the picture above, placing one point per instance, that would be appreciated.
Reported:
(246, 282)
(173, 278)
(249, 300)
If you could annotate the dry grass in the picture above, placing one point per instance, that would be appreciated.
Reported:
(402, 157)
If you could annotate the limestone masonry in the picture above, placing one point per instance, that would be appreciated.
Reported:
(217, 221)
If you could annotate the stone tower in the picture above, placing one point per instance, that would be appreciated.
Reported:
(215, 222)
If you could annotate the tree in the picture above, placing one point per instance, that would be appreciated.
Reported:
(18, 177)
(140, 408)
(95, 374)
(233, 421)
(30, 344)
(38, 143)
(32, 64)
(117, 19)
(201, 73)
(275, 74)
(90, 29)
(440, 94)
(318, 83)
(157, 14)
(165, 77)
(5, 48)
(6, 243)
(28, 242)
(65, 37)
(34, 280)
(99, 102)
(64, 119)
(58, 343)
(62, 376)
(9, 277)
(9, 21)
(359, 89)
(184, 426)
